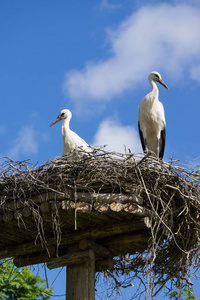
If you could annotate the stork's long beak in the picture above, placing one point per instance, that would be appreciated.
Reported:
(56, 120)
(162, 82)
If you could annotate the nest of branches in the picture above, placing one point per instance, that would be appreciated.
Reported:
(170, 192)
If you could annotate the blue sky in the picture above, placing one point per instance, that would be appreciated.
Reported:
(94, 57)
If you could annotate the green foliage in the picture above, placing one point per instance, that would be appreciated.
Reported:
(197, 173)
(21, 284)
(187, 294)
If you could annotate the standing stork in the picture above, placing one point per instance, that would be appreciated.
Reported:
(71, 140)
(151, 118)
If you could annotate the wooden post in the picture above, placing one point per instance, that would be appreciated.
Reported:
(81, 280)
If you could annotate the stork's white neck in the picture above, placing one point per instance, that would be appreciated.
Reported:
(65, 125)
(154, 91)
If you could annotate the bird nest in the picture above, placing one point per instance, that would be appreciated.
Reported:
(171, 199)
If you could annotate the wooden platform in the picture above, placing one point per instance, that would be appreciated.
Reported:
(47, 227)
(87, 213)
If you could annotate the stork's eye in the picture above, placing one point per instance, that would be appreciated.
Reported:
(156, 75)
(62, 115)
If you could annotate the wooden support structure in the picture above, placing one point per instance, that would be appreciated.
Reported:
(81, 268)
(80, 277)
(98, 232)
(95, 212)
(69, 259)
(108, 225)
(81, 280)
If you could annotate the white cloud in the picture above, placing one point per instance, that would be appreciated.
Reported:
(25, 143)
(195, 73)
(117, 137)
(161, 37)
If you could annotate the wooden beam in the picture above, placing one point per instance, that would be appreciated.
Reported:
(109, 198)
(68, 194)
(101, 207)
(77, 257)
(81, 280)
(91, 233)
(104, 265)
(137, 241)
(119, 245)
(45, 207)
(70, 259)
(36, 258)
(26, 212)
(99, 250)
(109, 247)
(83, 207)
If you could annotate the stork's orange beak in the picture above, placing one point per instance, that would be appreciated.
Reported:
(162, 82)
(56, 120)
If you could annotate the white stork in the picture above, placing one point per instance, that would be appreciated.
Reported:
(151, 118)
(71, 140)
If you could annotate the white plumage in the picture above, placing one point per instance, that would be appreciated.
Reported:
(151, 118)
(71, 140)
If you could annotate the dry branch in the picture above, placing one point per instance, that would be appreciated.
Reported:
(103, 190)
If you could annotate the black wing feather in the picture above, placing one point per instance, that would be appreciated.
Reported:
(141, 137)
(162, 146)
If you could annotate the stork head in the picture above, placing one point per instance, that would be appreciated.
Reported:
(64, 114)
(156, 77)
